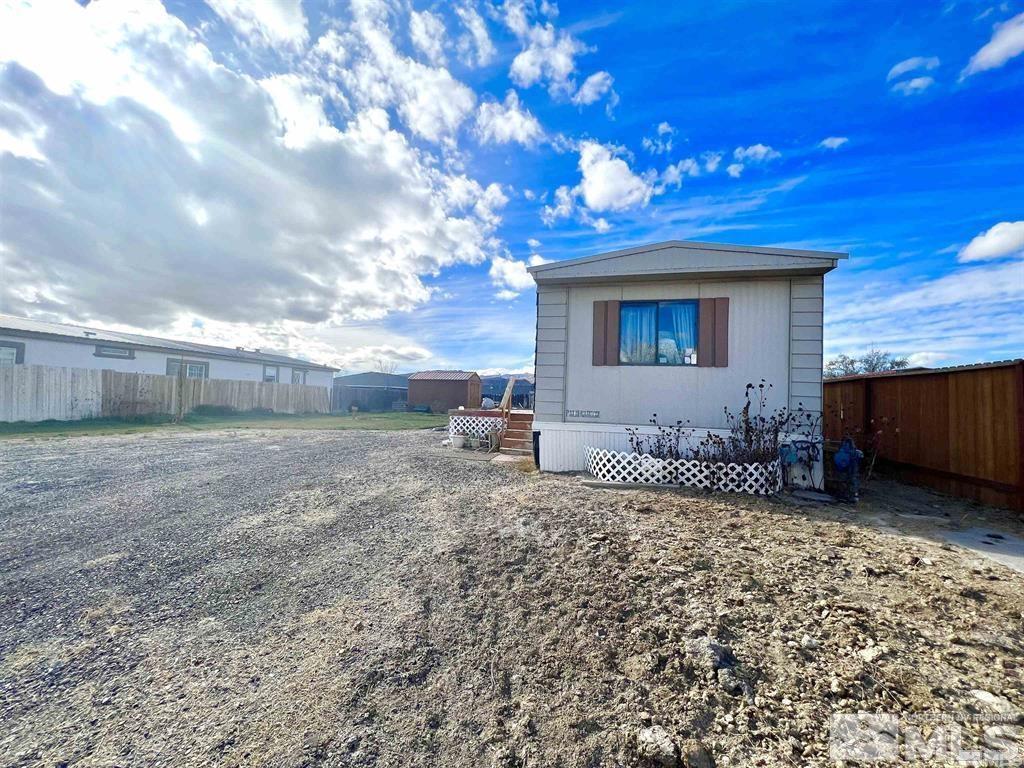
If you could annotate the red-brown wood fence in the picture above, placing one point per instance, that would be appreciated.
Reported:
(958, 430)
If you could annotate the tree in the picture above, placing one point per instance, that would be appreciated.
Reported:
(386, 366)
(872, 361)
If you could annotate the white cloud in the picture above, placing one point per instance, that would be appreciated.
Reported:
(755, 153)
(913, 64)
(833, 142)
(428, 35)
(510, 275)
(431, 102)
(593, 89)
(547, 56)
(927, 359)
(752, 155)
(272, 23)
(254, 213)
(914, 85)
(564, 205)
(1007, 42)
(608, 183)
(301, 114)
(956, 315)
(502, 123)
(673, 175)
(1004, 239)
(474, 46)
(661, 143)
(367, 358)
(711, 161)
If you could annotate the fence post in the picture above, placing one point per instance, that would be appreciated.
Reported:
(1020, 435)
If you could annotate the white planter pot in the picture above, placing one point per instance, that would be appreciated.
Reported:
(620, 467)
(458, 441)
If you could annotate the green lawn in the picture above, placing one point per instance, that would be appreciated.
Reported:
(233, 421)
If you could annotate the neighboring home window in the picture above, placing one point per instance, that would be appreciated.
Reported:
(658, 333)
(122, 352)
(194, 369)
(12, 352)
(270, 373)
(298, 376)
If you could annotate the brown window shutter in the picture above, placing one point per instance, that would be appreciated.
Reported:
(611, 349)
(721, 333)
(600, 331)
(706, 333)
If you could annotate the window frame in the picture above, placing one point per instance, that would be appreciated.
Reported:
(19, 350)
(302, 372)
(186, 363)
(277, 374)
(657, 331)
(100, 351)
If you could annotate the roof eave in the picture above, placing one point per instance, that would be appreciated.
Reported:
(679, 274)
(690, 245)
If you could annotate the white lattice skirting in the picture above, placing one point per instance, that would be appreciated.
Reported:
(619, 467)
(474, 426)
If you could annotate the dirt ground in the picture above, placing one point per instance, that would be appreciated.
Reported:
(365, 598)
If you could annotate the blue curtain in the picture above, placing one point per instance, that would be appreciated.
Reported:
(677, 332)
(637, 328)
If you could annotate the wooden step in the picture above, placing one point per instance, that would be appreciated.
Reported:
(518, 447)
(519, 434)
(517, 451)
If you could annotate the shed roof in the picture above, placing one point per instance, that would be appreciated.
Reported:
(13, 325)
(682, 258)
(443, 376)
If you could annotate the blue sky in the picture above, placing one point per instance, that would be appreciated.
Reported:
(367, 181)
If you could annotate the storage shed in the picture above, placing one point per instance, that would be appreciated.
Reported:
(444, 390)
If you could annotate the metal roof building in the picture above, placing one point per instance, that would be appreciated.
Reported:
(442, 391)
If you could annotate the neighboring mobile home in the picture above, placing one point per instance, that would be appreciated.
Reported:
(676, 329)
(33, 342)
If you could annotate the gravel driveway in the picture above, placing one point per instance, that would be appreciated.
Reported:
(364, 598)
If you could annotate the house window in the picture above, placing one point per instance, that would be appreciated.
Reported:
(298, 376)
(271, 373)
(122, 352)
(194, 369)
(658, 333)
(12, 353)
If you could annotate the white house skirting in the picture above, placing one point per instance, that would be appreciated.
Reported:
(618, 467)
(474, 426)
(563, 445)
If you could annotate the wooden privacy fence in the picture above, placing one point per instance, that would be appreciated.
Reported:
(39, 392)
(958, 430)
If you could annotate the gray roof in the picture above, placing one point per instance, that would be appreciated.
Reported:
(12, 325)
(686, 258)
(443, 375)
(373, 379)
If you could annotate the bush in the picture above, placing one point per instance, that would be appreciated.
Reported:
(219, 411)
(755, 436)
